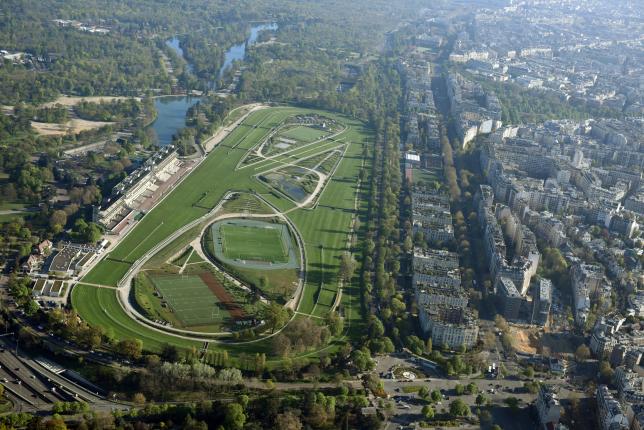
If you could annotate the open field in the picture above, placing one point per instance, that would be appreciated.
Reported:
(298, 131)
(198, 300)
(281, 282)
(241, 242)
(324, 229)
(281, 278)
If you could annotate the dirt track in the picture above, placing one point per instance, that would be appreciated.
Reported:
(222, 295)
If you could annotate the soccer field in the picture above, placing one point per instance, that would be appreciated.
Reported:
(190, 298)
(242, 242)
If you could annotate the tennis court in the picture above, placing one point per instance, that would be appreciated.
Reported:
(191, 299)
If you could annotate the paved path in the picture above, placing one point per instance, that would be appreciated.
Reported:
(109, 287)
(17, 211)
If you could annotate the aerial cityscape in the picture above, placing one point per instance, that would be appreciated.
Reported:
(321, 214)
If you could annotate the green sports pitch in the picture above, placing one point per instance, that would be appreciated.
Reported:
(191, 300)
(254, 242)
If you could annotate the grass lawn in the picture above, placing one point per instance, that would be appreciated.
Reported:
(426, 176)
(180, 260)
(411, 388)
(7, 206)
(12, 217)
(240, 242)
(245, 203)
(210, 178)
(194, 258)
(101, 307)
(324, 227)
(281, 282)
(303, 133)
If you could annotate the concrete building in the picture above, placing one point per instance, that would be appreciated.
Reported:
(602, 344)
(586, 279)
(610, 414)
(510, 298)
(541, 301)
(635, 415)
(548, 408)
(630, 385)
(451, 326)
(635, 203)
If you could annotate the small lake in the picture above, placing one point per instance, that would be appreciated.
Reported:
(171, 116)
(238, 52)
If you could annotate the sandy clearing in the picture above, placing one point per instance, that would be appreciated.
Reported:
(74, 126)
(522, 340)
(73, 101)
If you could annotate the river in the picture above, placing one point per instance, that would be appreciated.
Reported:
(171, 110)
(176, 47)
(238, 52)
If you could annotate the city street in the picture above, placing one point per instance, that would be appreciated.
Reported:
(408, 406)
